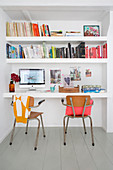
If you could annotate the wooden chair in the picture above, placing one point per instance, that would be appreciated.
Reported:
(33, 115)
(78, 107)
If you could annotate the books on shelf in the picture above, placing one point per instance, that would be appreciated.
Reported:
(56, 33)
(92, 89)
(44, 51)
(99, 51)
(73, 33)
(27, 29)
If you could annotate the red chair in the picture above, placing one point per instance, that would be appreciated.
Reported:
(78, 107)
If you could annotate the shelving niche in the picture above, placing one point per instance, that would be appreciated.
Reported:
(87, 17)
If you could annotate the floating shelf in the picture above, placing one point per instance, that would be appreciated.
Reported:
(55, 95)
(56, 60)
(56, 39)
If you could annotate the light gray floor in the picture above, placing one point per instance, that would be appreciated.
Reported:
(51, 154)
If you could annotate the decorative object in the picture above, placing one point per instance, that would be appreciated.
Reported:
(69, 89)
(55, 76)
(88, 73)
(52, 88)
(67, 81)
(91, 30)
(14, 78)
(75, 73)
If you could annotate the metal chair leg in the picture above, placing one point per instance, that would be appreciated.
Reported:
(27, 126)
(91, 131)
(36, 141)
(42, 126)
(64, 130)
(84, 126)
(67, 124)
(11, 140)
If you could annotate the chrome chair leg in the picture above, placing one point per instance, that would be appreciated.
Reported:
(42, 126)
(84, 126)
(67, 124)
(64, 130)
(91, 131)
(36, 141)
(27, 126)
(11, 140)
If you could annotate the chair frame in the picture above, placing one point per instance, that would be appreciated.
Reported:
(38, 128)
(74, 116)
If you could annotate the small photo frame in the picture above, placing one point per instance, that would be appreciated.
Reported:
(67, 81)
(88, 73)
(55, 76)
(91, 30)
(75, 73)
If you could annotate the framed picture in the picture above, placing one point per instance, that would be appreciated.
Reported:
(55, 76)
(67, 81)
(91, 30)
(88, 73)
(75, 73)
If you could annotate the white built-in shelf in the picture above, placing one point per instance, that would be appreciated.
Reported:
(55, 95)
(55, 39)
(57, 60)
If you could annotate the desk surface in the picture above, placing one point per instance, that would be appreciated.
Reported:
(55, 95)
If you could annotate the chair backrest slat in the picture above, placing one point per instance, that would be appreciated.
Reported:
(78, 101)
(31, 102)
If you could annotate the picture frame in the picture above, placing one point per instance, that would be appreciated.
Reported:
(67, 81)
(75, 73)
(55, 76)
(91, 30)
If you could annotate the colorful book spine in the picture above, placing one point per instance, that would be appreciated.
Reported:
(53, 51)
(20, 51)
(93, 52)
(98, 52)
(86, 52)
(105, 50)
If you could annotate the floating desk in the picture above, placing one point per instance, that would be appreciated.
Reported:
(54, 94)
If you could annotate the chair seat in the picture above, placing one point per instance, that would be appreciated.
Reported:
(78, 116)
(34, 115)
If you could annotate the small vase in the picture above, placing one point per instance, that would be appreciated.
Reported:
(11, 87)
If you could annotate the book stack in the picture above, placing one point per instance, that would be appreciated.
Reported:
(27, 29)
(73, 33)
(99, 51)
(92, 89)
(14, 52)
(56, 33)
(45, 31)
(80, 50)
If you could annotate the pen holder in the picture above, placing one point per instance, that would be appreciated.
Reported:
(52, 89)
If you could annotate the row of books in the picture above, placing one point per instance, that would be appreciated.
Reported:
(99, 51)
(43, 51)
(28, 29)
(21, 29)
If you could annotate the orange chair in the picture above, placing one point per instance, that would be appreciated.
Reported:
(78, 107)
(33, 115)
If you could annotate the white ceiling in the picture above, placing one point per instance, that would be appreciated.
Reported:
(56, 13)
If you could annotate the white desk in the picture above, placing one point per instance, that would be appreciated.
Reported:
(54, 94)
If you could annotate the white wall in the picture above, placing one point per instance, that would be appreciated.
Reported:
(5, 114)
(109, 116)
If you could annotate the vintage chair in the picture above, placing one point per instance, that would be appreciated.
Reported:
(78, 107)
(33, 115)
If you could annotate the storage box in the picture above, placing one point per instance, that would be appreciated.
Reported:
(69, 90)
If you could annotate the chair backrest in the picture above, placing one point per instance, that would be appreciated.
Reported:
(31, 102)
(78, 101)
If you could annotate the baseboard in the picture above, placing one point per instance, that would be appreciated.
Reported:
(5, 135)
